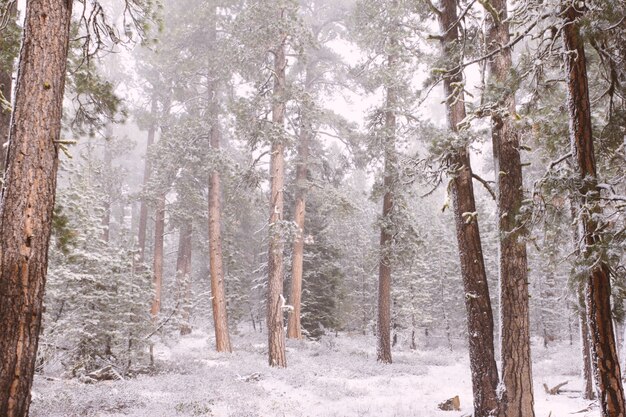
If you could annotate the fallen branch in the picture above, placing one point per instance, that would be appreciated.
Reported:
(554, 390)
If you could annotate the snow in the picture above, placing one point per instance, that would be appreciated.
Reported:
(337, 376)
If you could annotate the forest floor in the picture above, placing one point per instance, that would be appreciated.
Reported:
(337, 376)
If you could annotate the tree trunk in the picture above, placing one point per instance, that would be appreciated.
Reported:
(275, 299)
(218, 293)
(27, 200)
(157, 265)
(143, 211)
(294, 329)
(477, 301)
(183, 275)
(517, 396)
(598, 285)
(386, 228)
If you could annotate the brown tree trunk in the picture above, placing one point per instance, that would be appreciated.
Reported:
(143, 210)
(386, 228)
(598, 286)
(157, 264)
(183, 275)
(218, 292)
(27, 200)
(477, 302)
(275, 299)
(294, 327)
(517, 396)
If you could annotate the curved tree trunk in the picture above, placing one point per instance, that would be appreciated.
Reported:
(275, 299)
(183, 275)
(517, 396)
(598, 286)
(477, 301)
(386, 228)
(28, 197)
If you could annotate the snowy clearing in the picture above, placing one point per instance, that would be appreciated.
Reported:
(337, 376)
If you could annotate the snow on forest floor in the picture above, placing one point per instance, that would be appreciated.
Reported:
(337, 376)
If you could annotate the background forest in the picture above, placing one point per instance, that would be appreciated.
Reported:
(238, 169)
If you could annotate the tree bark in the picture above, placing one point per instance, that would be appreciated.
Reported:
(294, 327)
(477, 301)
(157, 264)
(598, 286)
(27, 200)
(386, 228)
(183, 275)
(275, 299)
(143, 210)
(516, 398)
(218, 293)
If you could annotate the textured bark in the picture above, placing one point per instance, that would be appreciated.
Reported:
(157, 263)
(143, 210)
(386, 232)
(598, 286)
(275, 299)
(477, 302)
(294, 328)
(28, 197)
(517, 396)
(218, 293)
(183, 275)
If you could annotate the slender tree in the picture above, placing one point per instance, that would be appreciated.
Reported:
(598, 284)
(517, 396)
(147, 170)
(477, 301)
(27, 199)
(157, 260)
(275, 299)
(218, 292)
(183, 274)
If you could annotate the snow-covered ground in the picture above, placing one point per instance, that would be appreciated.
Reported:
(337, 376)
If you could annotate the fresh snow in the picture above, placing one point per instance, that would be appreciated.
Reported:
(337, 376)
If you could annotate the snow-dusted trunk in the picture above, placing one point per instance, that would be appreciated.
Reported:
(386, 232)
(598, 286)
(294, 328)
(477, 301)
(218, 292)
(157, 262)
(143, 210)
(27, 199)
(275, 298)
(183, 275)
(517, 396)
